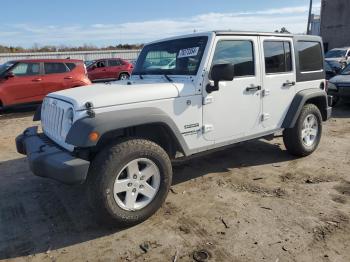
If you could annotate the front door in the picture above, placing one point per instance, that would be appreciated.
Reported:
(26, 85)
(278, 80)
(233, 112)
(98, 70)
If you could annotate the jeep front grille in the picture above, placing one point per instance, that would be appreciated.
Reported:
(51, 118)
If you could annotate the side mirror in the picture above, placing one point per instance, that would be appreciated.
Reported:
(9, 75)
(220, 72)
(93, 67)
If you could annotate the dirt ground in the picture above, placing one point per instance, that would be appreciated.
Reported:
(253, 202)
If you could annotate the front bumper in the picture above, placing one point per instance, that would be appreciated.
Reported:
(48, 160)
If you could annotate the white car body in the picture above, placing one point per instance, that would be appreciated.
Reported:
(204, 120)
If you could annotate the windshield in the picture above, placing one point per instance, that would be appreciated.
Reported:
(346, 70)
(174, 57)
(4, 67)
(336, 53)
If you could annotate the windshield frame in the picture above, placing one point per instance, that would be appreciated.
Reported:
(139, 66)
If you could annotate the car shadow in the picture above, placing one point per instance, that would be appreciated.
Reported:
(37, 215)
(18, 112)
(342, 110)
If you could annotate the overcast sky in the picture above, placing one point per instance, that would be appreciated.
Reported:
(110, 22)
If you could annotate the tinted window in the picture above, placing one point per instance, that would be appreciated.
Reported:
(278, 58)
(26, 69)
(55, 68)
(114, 62)
(239, 53)
(71, 66)
(173, 57)
(310, 56)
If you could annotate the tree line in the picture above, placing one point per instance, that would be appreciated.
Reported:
(64, 48)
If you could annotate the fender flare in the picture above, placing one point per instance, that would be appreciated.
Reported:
(300, 100)
(104, 123)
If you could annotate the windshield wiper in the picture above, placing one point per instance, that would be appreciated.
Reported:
(168, 78)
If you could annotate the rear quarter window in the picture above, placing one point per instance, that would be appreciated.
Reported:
(55, 68)
(71, 66)
(310, 56)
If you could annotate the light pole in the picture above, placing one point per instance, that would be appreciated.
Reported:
(309, 19)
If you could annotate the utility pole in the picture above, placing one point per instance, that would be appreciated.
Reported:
(309, 19)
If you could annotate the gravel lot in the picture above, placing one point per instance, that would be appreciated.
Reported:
(253, 202)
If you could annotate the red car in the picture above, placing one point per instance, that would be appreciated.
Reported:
(28, 81)
(110, 69)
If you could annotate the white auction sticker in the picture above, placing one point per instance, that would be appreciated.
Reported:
(188, 52)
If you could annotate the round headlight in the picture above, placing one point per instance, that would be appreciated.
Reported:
(70, 115)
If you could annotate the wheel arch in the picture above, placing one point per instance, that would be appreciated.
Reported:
(310, 96)
(148, 123)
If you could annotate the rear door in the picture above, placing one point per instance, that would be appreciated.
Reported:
(56, 77)
(26, 85)
(114, 68)
(233, 111)
(279, 80)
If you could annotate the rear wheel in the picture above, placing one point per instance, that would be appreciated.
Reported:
(129, 182)
(304, 137)
(124, 76)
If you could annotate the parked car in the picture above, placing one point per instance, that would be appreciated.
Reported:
(225, 88)
(339, 86)
(28, 81)
(110, 69)
(339, 55)
(332, 69)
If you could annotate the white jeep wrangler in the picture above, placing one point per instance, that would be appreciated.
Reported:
(222, 88)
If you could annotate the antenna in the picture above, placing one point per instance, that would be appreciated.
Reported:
(309, 19)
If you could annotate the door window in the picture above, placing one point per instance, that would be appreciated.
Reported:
(114, 63)
(55, 68)
(278, 57)
(238, 52)
(26, 69)
(101, 64)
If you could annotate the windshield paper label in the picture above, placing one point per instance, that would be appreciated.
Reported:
(188, 52)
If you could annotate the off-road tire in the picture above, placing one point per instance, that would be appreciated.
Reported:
(292, 136)
(104, 170)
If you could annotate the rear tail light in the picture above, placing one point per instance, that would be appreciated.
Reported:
(85, 70)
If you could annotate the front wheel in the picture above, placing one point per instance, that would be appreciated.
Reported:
(304, 138)
(128, 182)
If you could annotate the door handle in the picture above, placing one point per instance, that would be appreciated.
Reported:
(37, 80)
(289, 84)
(68, 77)
(253, 88)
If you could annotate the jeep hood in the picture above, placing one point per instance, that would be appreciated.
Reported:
(117, 93)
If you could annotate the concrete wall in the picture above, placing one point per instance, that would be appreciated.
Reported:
(83, 55)
(335, 23)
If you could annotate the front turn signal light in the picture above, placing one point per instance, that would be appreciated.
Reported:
(94, 136)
